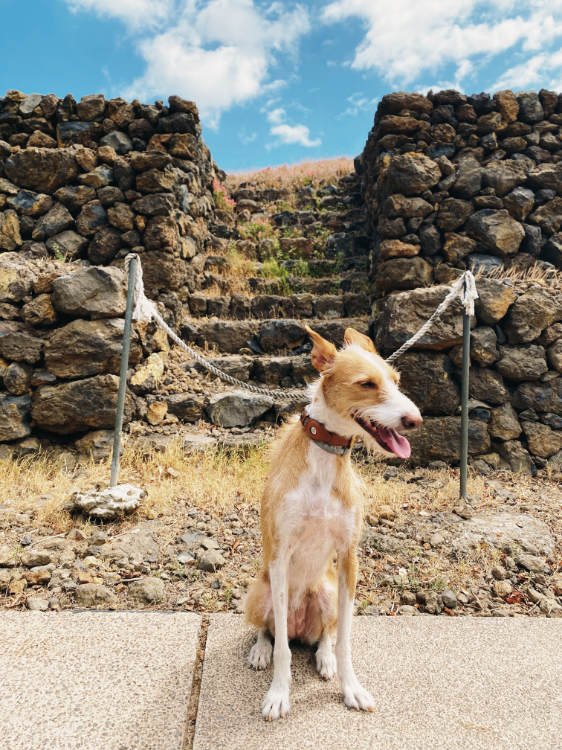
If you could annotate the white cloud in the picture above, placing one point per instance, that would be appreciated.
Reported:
(532, 72)
(289, 134)
(404, 40)
(357, 103)
(295, 134)
(219, 53)
(137, 14)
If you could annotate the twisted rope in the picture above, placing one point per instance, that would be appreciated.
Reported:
(146, 310)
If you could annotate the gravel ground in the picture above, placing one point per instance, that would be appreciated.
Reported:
(422, 551)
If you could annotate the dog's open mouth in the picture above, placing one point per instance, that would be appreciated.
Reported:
(390, 440)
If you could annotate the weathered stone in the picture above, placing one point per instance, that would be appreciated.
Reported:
(156, 204)
(549, 216)
(121, 216)
(457, 246)
(94, 595)
(469, 179)
(399, 101)
(211, 560)
(20, 346)
(400, 315)
(439, 439)
(91, 107)
(519, 202)
(161, 234)
(530, 107)
(149, 374)
(504, 175)
(403, 273)
(452, 214)
(400, 124)
(17, 379)
(98, 178)
(90, 292)
(91, 218)
(104, 245)
(14, 413)
(237, 408)
(97, 445)
(554, 355)
(41, 169)
(16, 278)
(78, 406)
(547, 176)
(504, 529)
(155, 181)
(496, 231)
(541, 439)
(494, 300)
(67, 245)
(276, 335)
(430, 240)
(76, 133)
(118, 140)
(426, 378)
(522, 362)
(88, 347)
(400, 205)
(53, 222)
(10, 237)
(28, 203)
(531, 314)
(148, 589)
(483, 346)
(504, 424)
(156, 412)
(74, 196)
(487, 385)
(542, 397)
(552, 251)
(507, 104)
(189, 408)
(397, 249)
(411, 174)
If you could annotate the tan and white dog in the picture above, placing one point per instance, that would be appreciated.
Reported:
(311, 515)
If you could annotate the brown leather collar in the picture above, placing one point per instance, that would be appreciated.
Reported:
(329, 441)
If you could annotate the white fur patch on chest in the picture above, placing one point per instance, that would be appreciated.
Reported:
(312, 522)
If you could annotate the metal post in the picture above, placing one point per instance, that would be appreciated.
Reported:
(464, 401)
(123, 373)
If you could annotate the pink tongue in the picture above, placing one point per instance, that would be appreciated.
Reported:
(397, 444)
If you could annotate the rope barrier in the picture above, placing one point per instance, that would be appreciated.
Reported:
(145, 310)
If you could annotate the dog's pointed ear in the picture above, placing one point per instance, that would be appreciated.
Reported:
(323, 352)
(351, 336)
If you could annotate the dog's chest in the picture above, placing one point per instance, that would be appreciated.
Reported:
(313, 513)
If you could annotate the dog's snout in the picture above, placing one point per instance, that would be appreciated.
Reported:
(411, 421)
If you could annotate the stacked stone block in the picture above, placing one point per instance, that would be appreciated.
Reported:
(454, 182)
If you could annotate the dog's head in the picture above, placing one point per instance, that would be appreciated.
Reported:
(361, 396)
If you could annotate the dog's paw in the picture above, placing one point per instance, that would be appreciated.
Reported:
(355, 696)
(326, 664)
(260, 654)
(276, 704)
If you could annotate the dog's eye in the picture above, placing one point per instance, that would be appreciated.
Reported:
(368, 384)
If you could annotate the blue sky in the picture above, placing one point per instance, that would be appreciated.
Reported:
(278, 81)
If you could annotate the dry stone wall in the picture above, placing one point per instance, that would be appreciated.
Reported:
(454, 182)
(82, 184)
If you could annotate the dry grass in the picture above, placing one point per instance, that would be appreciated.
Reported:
(290, 175)
(213, 480)
(549, 278)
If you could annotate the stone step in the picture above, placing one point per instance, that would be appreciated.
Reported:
(262, 306)
(331, 266)
(270, 336)
(285, 371)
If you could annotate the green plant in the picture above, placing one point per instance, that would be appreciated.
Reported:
(272, 269)
(301, 267)
(255, 230)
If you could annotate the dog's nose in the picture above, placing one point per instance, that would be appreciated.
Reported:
(410, 421)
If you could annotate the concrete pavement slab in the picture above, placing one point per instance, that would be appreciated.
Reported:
(93, 680)
(438, 682)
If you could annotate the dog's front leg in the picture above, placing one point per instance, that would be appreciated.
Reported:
(354, 694)
(276, 702)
